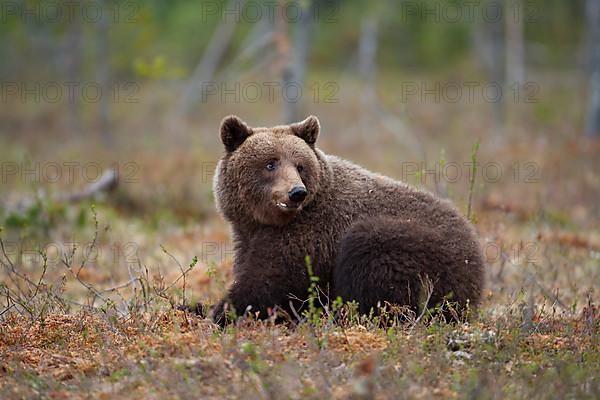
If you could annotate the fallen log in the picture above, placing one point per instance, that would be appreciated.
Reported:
(108, 182)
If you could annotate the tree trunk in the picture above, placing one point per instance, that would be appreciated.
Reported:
(103, 74)
(367, 50)
(490, 49)
(515, 48)
(367, 68)
(496, 73)
(73, 58)
(294, 74)
(206, 68)
(592, 125)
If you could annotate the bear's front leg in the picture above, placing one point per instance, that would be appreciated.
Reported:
(234, 304)
(218, 313)
(248, 297)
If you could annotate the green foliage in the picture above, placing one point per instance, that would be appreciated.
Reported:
(314, 312)
(157, 68)
(159, 39)
(215, 275)
(36, 219)
(253, 359)
(119, 375)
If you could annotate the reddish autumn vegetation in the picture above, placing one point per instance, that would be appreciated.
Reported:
(99, 318)
(109, 234)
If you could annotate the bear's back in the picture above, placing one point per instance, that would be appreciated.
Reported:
(360, 193)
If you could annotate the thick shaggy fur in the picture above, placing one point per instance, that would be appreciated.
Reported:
(369, 238)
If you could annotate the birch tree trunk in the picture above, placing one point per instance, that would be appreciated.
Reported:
(103, 75)
(515, 47)
(206, 68)
(592, 124)
(73, 53)
(294, 74)
(490, 50)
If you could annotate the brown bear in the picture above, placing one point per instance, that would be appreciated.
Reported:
(369, 238)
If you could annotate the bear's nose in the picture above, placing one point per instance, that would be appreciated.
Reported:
(297, 194)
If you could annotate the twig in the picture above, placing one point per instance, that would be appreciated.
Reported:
(95, 239)
(294, 308)
(44, 269)
(183, 273)
(121, 286)
(88, 286)
(428, 285)
(551, 296)
(472, 177)
(11, 265)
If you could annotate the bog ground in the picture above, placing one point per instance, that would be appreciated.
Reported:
(90, 288)
(109, 117)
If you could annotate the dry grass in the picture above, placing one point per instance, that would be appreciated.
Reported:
(171, 354)
(106, 326)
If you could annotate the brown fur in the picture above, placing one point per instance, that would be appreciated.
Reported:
(369, 238)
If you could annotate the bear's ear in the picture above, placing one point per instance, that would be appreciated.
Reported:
(308, 130)
(234, 132)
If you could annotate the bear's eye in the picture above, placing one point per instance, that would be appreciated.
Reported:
(271, 166)
(300, 168)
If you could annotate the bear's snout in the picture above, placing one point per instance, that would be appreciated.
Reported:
(297, 194)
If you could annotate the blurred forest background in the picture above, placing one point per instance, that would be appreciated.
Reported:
(109, 119)
(413, 78)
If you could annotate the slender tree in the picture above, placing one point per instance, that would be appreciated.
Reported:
(294, 73)
(515, 45)
(73, 56)
(489, 45)
(592, 125)
(208, 64)
(103, 74)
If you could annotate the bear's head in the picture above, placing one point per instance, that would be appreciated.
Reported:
(267, 175)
